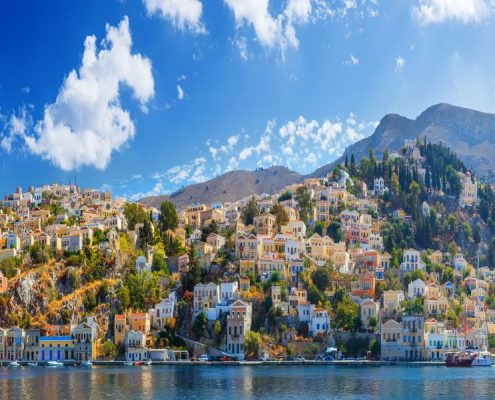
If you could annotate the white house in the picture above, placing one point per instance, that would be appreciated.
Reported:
(378, 186)
(162, 312)
(291, 250)
(459, 263)
(319, 322)
(229, 291)
(135, 346)
(412, 261)
(416, 288)
(142, 264)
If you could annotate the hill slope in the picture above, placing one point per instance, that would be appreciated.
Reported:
(469, 133)
(231, 186)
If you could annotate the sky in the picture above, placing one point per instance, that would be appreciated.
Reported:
(144, 97)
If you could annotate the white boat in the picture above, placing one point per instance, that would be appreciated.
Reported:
(55, 364)
(14, 364)
(128, 363)
(147, 363)
(32, 364)
(86, 364)
(482, 360)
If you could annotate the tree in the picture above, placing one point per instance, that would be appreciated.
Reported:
(159, 265)
(38, 254)
(98, 237)
(199, 326)
(252, 344)
(168, 218)
(322, 278)
(124, 297)
(347, 315)
(305, 201)
(334, 230)
(250, 211)
(375, 348)
(477, 233)
(372, 322)
(146, 234)
(193, 275)
(280, 214)
(109, 349)
(134, 214)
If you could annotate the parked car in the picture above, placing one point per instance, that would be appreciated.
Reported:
(203, 358)
(300, 358)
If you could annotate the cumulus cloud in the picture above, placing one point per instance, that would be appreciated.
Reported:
(271, 30)
(301, 144)
(399, 64)
(15, 128)
(87, 123)
(465, 11)
(352, 61)
(183, 14)
(180, 92)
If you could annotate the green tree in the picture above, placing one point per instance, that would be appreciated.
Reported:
(146, 234)
(280, 214)
(322, 277)
(168, 218)
(250, 211)
(109, 349)
(124, 297)
(199, 326)
(347, 315)
(306, 203)
(194, 273)
(134, 214)
(252, 344)
(334, 230)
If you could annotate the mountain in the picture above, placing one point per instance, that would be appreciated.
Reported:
(231, 186)
(468, 133)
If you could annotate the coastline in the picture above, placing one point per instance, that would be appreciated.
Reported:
(355, 363)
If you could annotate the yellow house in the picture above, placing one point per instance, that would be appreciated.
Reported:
(119, 329)
(247, 266)
(56, 348)
(140, 321)
(265, 224)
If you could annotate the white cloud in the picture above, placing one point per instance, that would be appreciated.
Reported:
(352, 61)
(87, 122)
(271, 31)
(184, 14)
(16, 127)
(399, 64)
(180, 92)
(242, 47)
(26, 89)
(465, 11)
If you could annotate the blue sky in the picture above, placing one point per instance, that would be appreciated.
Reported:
(145, 96)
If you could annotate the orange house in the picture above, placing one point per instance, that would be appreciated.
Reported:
(364, 287)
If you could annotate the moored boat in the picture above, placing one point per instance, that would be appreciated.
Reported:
(86, 364)
(482, 360)
(32, 364)
(138, 363)
(147, 362)
(55, 364)
(14, 364)
(458, 360)
(128, 363)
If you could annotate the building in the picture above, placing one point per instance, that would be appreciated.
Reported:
(205, 296)
(368, 310)
(238, 325)
(135, 344)
(163, 312)
(56, 348)
(413, 343)
(319, 322)
(31, 345)
(390, 334)
(14, 344)
(364, 287)
(265, 224)
(142, 264)
(416, 288)
(412, 261)
(83, 341)
(119, 329)
(469, 190)
(140, 321)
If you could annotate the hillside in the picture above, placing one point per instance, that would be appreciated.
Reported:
(230, 186)
(469, 133)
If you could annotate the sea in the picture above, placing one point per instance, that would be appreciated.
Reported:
(248, 382)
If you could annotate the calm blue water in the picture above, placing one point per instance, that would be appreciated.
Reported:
(273, 382)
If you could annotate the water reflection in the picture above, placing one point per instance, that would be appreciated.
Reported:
(273, 382)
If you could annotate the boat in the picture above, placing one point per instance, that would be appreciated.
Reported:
(55, 364)
(14, 364)
(147, 362)
(482, 360)
(138, 363)
(32, 364)
(458, 360)
(86, 364)
(128, 363)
